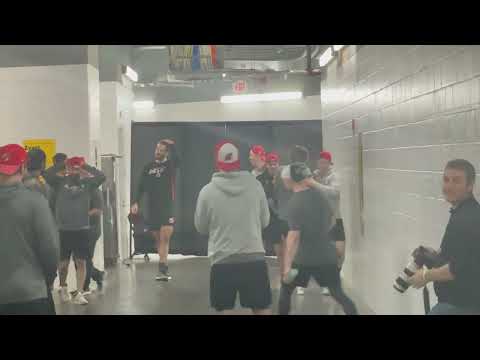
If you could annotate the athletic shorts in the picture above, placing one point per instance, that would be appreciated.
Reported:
(338, 232)
(74, 242)
(157, 222)
(274, 231)
(250, 280)
(324, 275)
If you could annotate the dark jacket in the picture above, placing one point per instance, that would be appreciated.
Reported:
(461, 249)
(29, 246)
(36, 182)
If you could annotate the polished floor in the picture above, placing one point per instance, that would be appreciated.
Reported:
(132, 290)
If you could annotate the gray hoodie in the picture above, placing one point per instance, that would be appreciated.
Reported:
(29, 246)
(233, 209)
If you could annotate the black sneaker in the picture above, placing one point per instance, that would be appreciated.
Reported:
(163, 276)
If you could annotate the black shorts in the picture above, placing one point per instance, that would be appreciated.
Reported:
(324, 275)
(338, 232)
(75, 242)
(249, 279)
(156, 223)
(274, 231)
(159, 217)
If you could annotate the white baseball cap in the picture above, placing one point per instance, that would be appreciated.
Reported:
(227, 156)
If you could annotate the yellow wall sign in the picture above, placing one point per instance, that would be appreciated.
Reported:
(49, 146)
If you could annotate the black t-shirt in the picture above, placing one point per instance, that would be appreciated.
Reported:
(268, 183)
(461, 249)
(157, 182)
(310, 213)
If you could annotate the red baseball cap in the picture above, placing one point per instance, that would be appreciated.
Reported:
(76, 161)
(260, 151)
(326, 155)
(273, 157)
(12, 157)
(227, 156)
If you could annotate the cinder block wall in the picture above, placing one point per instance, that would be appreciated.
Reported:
(415, 107)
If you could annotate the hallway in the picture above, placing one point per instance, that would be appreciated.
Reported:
(132, 290)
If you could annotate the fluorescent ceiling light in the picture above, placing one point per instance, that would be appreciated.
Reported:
(280, 96)
(145, 104)
(325, 57)
(131, 74)
(338, 47)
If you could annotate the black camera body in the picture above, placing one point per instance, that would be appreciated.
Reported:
(421, 256)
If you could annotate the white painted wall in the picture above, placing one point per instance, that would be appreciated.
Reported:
(117, 115)
(53, 102)
(48, 102)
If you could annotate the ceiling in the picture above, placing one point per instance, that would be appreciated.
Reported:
(263, 52)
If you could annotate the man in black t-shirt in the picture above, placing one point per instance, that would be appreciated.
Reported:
(310, 251)
(456, 282)
(157, 182)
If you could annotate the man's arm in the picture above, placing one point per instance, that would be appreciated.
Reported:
(264, 210)
(332, 192)
(291, 246)
(46, 242)
(423, 276)
(172, 153)
(462, 260)
(340, 250)
(96, 177)
(139, 191)
(96, 207)
(201, 217)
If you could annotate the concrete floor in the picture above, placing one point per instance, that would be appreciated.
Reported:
(132, 290)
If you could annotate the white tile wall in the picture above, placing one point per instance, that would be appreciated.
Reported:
(417, 107)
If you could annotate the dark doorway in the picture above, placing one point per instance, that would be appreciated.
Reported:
(195, 144)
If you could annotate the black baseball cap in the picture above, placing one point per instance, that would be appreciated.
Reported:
(299, 171)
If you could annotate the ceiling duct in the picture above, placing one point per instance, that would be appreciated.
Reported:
(273, 65)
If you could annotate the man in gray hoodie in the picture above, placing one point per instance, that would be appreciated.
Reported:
(233, 210)
(29, 247)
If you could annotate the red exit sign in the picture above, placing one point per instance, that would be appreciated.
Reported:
(239, 86)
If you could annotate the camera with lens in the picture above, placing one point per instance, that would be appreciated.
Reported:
(421, 256)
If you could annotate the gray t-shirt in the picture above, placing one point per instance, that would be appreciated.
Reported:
(309, 212)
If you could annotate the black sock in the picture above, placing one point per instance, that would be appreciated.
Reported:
(162, 267)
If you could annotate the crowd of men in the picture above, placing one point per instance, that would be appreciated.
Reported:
(47, 216)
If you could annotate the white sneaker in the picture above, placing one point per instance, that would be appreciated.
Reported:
(64, 294)
(79, 299)
(300, 291)
(325, 291)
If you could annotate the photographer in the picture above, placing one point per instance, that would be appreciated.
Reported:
(456, 283)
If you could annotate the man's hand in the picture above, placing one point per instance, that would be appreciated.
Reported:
(340, 250)
(310, 182)
(134, 209)
(285, 274)
(169, 141)
(94, 212)
(418, 279)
